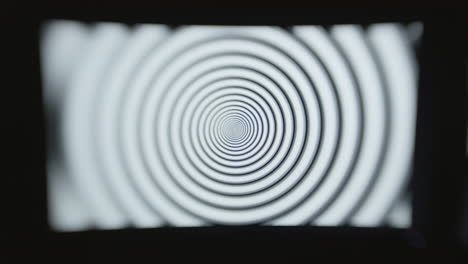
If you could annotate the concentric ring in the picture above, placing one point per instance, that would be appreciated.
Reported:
(238, 125)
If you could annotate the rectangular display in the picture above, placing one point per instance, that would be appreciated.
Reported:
(199, 125)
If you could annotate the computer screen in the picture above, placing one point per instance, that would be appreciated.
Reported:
(153, 125)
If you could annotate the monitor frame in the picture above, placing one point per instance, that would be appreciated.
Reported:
(439, 147)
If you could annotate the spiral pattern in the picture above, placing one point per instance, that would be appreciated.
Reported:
(239, 125)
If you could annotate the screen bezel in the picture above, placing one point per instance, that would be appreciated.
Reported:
(440, 132)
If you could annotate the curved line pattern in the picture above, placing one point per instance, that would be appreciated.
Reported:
(242, 125)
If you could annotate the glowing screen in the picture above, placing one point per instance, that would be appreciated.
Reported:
(151, 126)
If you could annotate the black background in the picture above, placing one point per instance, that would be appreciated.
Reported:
(440, 176)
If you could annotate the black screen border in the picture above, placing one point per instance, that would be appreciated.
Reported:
(439, 159)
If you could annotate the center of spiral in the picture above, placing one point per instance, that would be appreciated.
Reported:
(234, 130)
